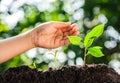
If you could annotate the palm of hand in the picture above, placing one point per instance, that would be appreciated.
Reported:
(51, 36)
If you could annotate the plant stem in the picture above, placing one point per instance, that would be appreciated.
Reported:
(85, 55)
(34, 65)
(55, 59)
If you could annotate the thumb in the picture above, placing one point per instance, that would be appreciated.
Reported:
(61, 25)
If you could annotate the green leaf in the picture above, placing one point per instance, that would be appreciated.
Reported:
(95, 51)
(98, 47)
(75, 40)
(96, 32)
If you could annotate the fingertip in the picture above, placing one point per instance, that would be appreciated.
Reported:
(67, 24)
(75, 26)
(78, 33)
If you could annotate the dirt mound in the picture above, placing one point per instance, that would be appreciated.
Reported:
(68, 74)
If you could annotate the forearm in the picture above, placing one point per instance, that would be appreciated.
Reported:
(13, 46)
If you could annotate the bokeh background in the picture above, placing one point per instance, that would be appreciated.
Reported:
(18, 16)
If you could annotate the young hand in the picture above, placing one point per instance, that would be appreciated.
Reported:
(53, 34)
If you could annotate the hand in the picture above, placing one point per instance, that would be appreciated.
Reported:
(53, 34)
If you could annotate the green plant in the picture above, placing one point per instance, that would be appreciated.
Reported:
(34, 64)
(88, 40)
(55, 58)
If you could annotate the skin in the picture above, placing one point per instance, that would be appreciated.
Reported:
(47, 35)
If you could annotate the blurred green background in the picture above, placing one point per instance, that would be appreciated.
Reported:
(18, 16)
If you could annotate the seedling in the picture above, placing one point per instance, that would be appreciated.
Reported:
(33, 65)
(88, 40)
(55, 58)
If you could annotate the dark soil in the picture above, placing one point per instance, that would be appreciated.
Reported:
(69, 74)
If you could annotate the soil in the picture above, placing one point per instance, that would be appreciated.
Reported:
(99, 73)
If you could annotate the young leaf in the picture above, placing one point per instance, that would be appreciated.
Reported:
(96, 32)
(95, 51)
(75, 40)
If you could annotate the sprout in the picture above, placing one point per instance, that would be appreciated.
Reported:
(88, 40)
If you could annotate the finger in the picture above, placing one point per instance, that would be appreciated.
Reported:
(67, 29)
(64, 42)
(61, 25)
(65, 37)
(75, 33)
(70, 28)
(75, 26)
(74, 29)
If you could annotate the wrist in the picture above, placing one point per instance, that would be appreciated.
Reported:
(33, 36)
(30, 38)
